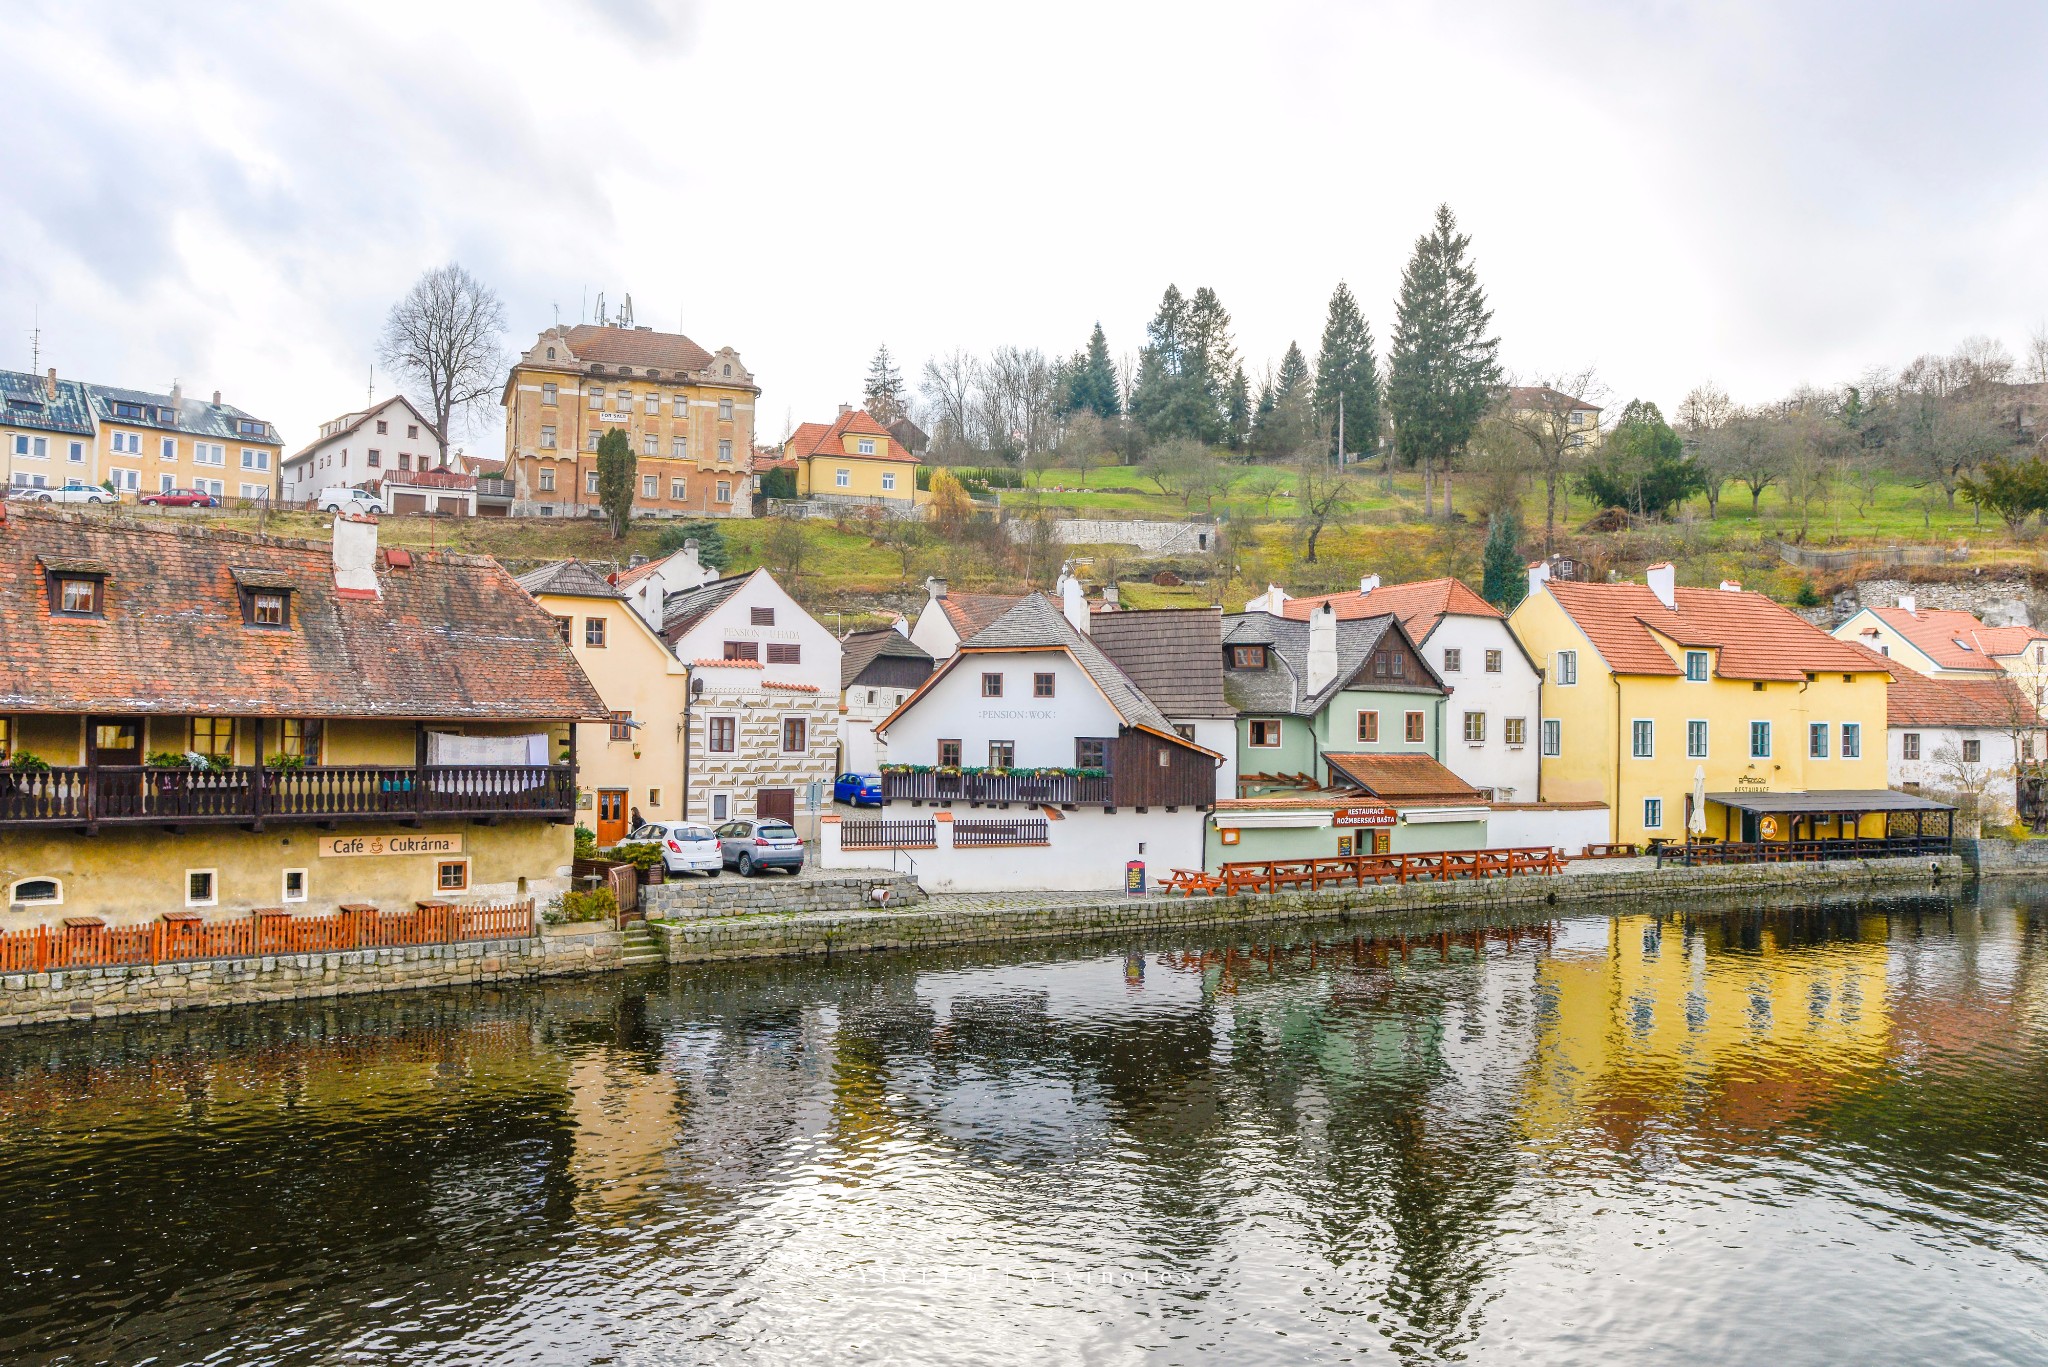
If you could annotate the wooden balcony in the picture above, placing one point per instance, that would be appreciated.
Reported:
(92, 796)
(1057, 791)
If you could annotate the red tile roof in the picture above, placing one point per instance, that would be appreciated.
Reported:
(1754, 637)
(450, 637)
(818, 438)
(792, 687)
(728, 664)
(631, 346)
(974, 613)
(1954, 639)
(1419, 606)
(1915, 699)
(1523, 397)
(1397, 777)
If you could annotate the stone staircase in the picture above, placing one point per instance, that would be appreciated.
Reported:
(641, 944)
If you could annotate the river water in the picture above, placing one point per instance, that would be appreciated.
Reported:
(1809, 1134)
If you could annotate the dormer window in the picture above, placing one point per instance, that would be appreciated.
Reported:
(1247, 657)
(867, 446)
(77, 589)
(268, 609)
(266, 599)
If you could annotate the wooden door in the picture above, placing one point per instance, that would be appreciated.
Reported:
(611, 816)
(116, 741)
(408, 503)
(775, 804)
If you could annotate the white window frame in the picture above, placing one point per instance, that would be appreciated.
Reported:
(864, 446)
(14, 892)
(1474, 729)
(1454, 660)
(1653, 813)
(167, 449)
(1696, 729)
(1642, 738)
(888, 481)
(719, 805)
(678, 490)
(650, 486)
(1514, 732)
(1567, 668)
(215, 454)
(78, 453)
(842, 478)
(284, 885)
(213, 886)
(1909, 745)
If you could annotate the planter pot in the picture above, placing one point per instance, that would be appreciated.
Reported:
(650, 877)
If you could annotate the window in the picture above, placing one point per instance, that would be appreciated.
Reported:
(547, 443)
(549, 393)
(742, 650)
(1369, 726)
(725, 410)
(1553, 738)
(214, 736)
(888, 481)
(1759, 740)
(1475, 728)
(621, 726)
(721, 806)
(654, 797)
(1567, 668)
(591, 444)
(650, 485)
(1515, 731)
(201, 889)
(294, 885)
(213, 453)
(1909, 745)
(1493, 662)
(1817, 740)
(547, 480)
(761, 617)
(949, 754)
(720, 732)
(723, 494)
(991, 685)
(842, 478)
(596, 393)
(267, 609)
(1002, 754)
(795, 735)
(1264, 735)
(1454, 661)
(1041, 685)
(36, 892)
(682, 406)
(1852, 740)
(260, 460)
(452, 875)
(125, 442)
(1091, 752)
(725, 452)
(1695, 740)
(78, 453)
(865, 446)
(1653, 813)
(1247, 657)
(593, 632)
(651, 404)
(785, 653)
(590, 481)
(1696, 666)
(300, 737)
(77, 596)
(677, 489)
(167, 449)
(1642, 738)
(1973, 751)
(1413, 730)
(650, 445)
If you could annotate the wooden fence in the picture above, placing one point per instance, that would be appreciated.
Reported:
(889, 835)
(1280, 875)
(984, 834)
(88, 942)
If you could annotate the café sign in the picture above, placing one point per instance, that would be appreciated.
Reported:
(1377, 814)
(382, 846)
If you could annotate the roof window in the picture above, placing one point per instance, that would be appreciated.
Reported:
(75, 593)
(1960, 642)
(266, 598)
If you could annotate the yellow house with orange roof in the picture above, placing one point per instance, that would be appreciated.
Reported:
(854, 459)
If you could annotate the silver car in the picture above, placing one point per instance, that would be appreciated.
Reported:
(75, 492)
(685, 846)
(756, 844)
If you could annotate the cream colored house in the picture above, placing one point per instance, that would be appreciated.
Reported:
(1947, 643)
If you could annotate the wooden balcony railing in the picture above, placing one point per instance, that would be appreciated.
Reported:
(136, 796)
(1060, 790)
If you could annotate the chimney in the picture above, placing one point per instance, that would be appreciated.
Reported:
(1731, 586)
(1663, 581)
(935, 586)
(1322, 648)
(177, 395)
(50, 384)
(355, 555)
(902, 625)
(1910, 604)
(1110, 598)
(844, 409)
(1274, 600)
(1074, 603)
(1368, 583)
(1539, 575)
(216, 398)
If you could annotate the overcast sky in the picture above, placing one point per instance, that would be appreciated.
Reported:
(1760, 193)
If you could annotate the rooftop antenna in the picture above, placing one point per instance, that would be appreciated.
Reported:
(370, 390)
(583, 306)
(626, 312)
(35, 340)
(600, 308)
(558, 315)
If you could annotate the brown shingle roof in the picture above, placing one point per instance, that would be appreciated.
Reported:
(1420, 605)
(1173, 655)
(452, 637)
(1754, 637)
(1397, 778)
(631, 346)
(1954, 639)
(1523, 397)
(859, 649)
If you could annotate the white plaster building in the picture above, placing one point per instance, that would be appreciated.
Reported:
(1175, 657)
(949, 618)
(1030, 760)
(648, 585)
(389, 437)
(1959, 740)
(1493, 717)
(1948, 643)
(879, 670)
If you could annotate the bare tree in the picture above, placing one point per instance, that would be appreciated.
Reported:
(1938, 442)
(951, 387)
(1702, 414)
(1321, 490)
(1742, 449)
(1019, 401)
(445, 340)
(1498, 462)
(1543, 411)
(2036, 371)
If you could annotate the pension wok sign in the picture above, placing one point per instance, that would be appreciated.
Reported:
(381, 846)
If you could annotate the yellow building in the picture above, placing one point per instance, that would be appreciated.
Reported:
(688, 412)
(46, 432)
(1948, 643)
(633, 762)
(853, 459)
(1552, 413)
(215, 722)
(1653, 693)
(150, 443)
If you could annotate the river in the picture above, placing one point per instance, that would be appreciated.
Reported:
(1805, 1134)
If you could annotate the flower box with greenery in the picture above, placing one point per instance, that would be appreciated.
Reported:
(25, 763)
(283, 763)
(643, 855)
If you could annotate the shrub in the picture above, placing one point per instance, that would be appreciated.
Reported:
(642, 855)
(778, 483)
(1808, 596)
(25, 763)
(283, 763)
(586, 843)
(581, 907)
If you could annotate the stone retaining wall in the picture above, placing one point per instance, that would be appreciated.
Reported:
(692, 898)
(993, 920)
(85, 993)
(2005, 858)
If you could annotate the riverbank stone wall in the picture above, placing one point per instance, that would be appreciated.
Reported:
(2005, 858)
(694, 898)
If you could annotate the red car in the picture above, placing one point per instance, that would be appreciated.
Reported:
(181, 498)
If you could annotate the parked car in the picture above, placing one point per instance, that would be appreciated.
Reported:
(759, 844)
(685, 846)
(180, 498)
(75, 492)
(859, 790)
(339, 498)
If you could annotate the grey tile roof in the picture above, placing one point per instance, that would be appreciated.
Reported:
(859, 649)
(1173, 655)
(572, 578)
(28, 404)
(195, 417)
(1037, 622)
(682, 611)
(1282, 686)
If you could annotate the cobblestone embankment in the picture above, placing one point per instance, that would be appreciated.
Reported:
(688, 898)
(953, 919)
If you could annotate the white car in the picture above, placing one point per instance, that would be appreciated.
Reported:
(74, 492)
(340, 498)
(685, 846)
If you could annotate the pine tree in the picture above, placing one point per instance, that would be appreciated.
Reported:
(884, 395)
(1212, 358)
(1443, 367)
(1293, 374)
(617, 474)
(1504, 584)
(1238, 407)
(1091, 380)
(1346, 372)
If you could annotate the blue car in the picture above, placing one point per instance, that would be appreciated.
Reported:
(859, 790)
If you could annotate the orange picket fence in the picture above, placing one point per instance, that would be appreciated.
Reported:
(88, 942)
